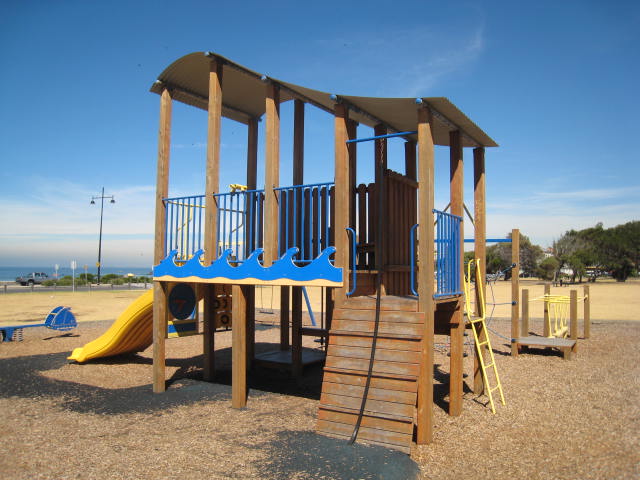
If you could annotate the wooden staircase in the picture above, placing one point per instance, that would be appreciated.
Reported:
(389, 411)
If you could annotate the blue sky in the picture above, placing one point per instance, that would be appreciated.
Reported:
(554, 83)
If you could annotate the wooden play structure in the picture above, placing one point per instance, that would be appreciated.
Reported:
(392, 279)
(560, 321)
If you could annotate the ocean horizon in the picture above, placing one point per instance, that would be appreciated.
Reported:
(9, 274)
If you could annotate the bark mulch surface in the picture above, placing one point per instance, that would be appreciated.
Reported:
(563, 419)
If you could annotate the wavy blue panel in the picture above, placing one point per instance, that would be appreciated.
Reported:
(283, 268)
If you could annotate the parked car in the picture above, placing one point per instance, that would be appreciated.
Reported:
(33, 278)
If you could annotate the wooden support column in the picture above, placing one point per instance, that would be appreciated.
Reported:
(239, 348)
(573, 314)
(272, 174)
(480, 249)
(410, 159)
(380, 165)
(424, 424)
(456, 362)
(296, 292)
(342, 199)
(546, 327)
(252, 167)
(515, 290)
(352, 131)
(162, 191)
(212, 186)
(587, 313)
(525, 313)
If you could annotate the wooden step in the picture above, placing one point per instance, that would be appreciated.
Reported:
(387, 302)
(566, 345)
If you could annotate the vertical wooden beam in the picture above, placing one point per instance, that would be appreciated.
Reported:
(424, 424)
(573, 314)
(296, 292)
(479, 207)
(587, 312)
(212, 186)
(380, 165)
(480, 249)
(352, 132)
(525, 313)
(238, 348)
(284, 317)
(252, 167)
(546, 327)
(213, 160)
(515, 290)
(410, 159)
(272, 173)
(208, 332)
(162, 191)
(456, 359)
(342, 199)
(252, 153)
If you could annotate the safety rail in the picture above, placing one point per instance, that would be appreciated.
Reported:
(354, 275)
(240, 222)
(447, 254)
(183, 220)
(304, 219)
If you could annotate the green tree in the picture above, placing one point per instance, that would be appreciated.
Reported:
(547, 268)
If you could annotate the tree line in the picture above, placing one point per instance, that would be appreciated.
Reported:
(591, 253)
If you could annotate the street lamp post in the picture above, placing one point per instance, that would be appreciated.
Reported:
(93, 202)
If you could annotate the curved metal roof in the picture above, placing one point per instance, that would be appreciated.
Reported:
(243, 98)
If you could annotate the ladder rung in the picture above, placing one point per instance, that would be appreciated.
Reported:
(494, 388)
(483, 343)
(488, 365)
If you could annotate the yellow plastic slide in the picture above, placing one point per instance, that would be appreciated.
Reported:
(131, 332)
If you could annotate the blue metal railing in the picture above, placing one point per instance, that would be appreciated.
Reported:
(304, 219)
(447, 254)
(183, 220)
(354, 276)
(240, 221)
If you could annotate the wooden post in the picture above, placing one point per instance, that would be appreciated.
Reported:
(456, 359)
(424, 424)
(586, 312)
(525, 313)
(342, 199)
(479, 223)
(162, 191)
(410, 159)
(239, 348)
(380, 166)
(546, 327)
(352, 132)
(573, 314)
(252, 166)
(296, 292)
(212, 187)
(515, 290)
(272, 174)
(208, 332)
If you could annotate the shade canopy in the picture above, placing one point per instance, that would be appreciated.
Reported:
(243, 98)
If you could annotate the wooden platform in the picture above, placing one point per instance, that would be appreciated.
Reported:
(282, 358)
(566, 345)
(389, 410)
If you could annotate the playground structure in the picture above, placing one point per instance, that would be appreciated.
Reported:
(60, 319)
(391, 279)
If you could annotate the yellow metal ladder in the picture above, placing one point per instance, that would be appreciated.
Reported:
(478, 324)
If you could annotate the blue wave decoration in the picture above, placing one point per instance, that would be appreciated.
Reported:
(283, 268)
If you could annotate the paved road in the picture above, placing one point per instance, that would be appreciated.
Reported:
(15, 288)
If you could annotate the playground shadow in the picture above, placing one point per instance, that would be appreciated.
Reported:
(305, 454)
(23, 377)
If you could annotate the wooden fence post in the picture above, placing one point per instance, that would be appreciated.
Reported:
(525, 313)
(587, 312)
(546, 330)
(573, 314)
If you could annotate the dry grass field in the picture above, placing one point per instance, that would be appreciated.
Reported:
(563, 419)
